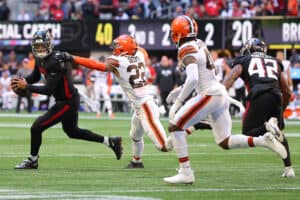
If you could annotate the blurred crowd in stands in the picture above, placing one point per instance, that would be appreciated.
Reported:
(58, 10)
(162, 74)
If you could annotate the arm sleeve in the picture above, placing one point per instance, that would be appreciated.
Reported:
(89, 63)
(191, 80)
(35, 75)
(53, 78)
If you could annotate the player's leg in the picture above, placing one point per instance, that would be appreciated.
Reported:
(152, 125)
(221, 123)
(194, 110)
(269, 119)
(50, 118)
(107, 100)
(70, 127)
(137, 141)
(97, 91)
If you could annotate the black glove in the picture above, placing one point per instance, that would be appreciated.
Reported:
(63, 57)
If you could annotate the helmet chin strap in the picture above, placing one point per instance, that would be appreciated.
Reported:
(178, 43)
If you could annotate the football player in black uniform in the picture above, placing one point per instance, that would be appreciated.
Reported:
(268, 93)
(59, 84)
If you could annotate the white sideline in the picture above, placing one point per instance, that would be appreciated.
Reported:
(100, 194)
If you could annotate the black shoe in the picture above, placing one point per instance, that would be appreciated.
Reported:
(115, 143)
(28, 164)
(133, 165)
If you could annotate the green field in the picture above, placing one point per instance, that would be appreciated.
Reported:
(73, 169)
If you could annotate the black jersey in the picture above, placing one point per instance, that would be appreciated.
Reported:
(58, 77)
(260, 73)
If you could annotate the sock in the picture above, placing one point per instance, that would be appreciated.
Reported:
(240, 141)
(106, 140)
(137, 149)
(33, 158)
(136, 159)
(287, 162)
(181, 149)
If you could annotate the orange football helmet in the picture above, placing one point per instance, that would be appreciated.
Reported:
(124, 45)
(183, 26)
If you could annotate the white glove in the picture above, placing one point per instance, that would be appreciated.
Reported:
(173, 95)
(174, 109)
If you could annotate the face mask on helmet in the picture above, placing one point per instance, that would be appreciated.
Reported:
(124, 45)
(183, 27)
(42, 44)
(253, 45)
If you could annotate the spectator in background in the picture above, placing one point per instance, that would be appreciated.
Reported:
(4, 11)
(24, 71)
(12, 62)
(292, 8)
(121, 15)
(295, 58)
(23, 16)
(198, 9)
(107, 8)
(57, 14)
(38, 16)
(31, 61)
(89, 10)
(6, 92)
(167, 78)
(286, 68)
(212, 8)
(138, 12)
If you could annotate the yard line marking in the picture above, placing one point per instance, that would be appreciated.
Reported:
(21, 125)
(13, 115)
(17, 194)
(96, 155)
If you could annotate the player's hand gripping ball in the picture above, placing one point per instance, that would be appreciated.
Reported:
(19, 86)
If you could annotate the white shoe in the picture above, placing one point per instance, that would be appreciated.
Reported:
(184, 176)
(289, 172)
(272, 126)
(272, 144)
(169, 144)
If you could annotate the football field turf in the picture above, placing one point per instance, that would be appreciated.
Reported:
(73, 169)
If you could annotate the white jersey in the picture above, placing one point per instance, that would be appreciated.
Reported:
(100, 77)
(131, 77)
(5, 83)
(207, 81)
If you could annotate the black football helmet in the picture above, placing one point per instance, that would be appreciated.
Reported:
(254, 45)
(42, 43)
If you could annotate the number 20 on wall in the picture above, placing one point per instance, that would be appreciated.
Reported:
(104, 33)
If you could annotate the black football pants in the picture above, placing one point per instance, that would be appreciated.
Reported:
(65, 112)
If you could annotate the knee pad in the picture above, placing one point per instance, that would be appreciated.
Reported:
(136, 137)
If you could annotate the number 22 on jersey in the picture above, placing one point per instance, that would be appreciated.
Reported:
(137, 79)
(263, 67)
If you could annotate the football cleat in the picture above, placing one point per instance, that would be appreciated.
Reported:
(28, 164)
(184, 176)
(135, 165)
(272, 126)
(115, 143)
(272, 143)
(289, 172)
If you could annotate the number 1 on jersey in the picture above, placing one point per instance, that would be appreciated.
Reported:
(264, 68)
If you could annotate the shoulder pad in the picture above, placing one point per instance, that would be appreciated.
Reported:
(186, 50)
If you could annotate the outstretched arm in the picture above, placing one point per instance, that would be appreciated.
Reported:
(89, 63)
(232, 76)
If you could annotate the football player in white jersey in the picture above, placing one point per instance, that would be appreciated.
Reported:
(102, 87)
(211, 100)
(128, 65)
